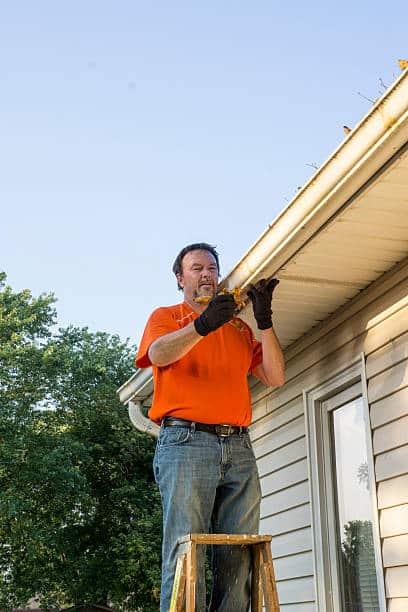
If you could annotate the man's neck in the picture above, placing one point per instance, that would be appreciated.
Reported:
(194, 306)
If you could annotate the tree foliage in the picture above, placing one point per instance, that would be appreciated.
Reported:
(79, 510)
(358, 566)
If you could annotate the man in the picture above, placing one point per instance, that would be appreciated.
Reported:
(201, 355)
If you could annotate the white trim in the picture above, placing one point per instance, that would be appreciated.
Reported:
(345, 383)
(140, 384)
(344, 397)
(373, 489)
(326, 408)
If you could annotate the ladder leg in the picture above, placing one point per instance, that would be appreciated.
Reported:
(256, 584)
(178, 584)
(268, 580)
(191, 576)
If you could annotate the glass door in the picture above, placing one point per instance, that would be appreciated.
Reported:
(353, 542)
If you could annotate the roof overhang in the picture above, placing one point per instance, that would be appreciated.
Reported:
(381, 134)
(345, 228)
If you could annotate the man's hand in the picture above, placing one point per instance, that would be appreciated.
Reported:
(220, 310)
(261, 298)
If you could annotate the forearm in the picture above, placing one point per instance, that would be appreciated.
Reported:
(273, 361)
(173, 346)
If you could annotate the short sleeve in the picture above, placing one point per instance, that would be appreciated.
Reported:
(160, 323)
(256, 347)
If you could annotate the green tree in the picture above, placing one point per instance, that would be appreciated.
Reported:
(358, 567)
(79, 511)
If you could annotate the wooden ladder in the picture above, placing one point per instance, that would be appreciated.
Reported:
(263, 577)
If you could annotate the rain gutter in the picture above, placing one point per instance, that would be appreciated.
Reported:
(141, 383)
(378, 136)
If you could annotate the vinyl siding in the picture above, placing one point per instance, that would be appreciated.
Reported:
(387, 377)
(376, 323)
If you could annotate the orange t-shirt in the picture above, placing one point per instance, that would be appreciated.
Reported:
(209, 384)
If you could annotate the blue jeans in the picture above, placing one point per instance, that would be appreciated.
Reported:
(208, 484)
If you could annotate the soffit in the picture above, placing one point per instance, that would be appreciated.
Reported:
(365, 239)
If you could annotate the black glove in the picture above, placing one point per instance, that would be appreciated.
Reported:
(261, 298)
(219, 310)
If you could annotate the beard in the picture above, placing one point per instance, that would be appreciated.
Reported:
(205, 291)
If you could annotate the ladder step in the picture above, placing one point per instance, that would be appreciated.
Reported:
(224, 538)
(263, 576)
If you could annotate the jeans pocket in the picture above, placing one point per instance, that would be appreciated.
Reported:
(174, 436)
(246, 440)
(156, 467)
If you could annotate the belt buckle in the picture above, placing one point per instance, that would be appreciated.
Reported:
(224, 431)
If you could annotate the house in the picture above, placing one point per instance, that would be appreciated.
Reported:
(332, 443)
(31, 607)
(88, 608)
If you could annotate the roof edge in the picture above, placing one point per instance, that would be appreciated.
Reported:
(376, 138)
(140, 384)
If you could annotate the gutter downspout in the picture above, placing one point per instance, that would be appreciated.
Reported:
(140, 421)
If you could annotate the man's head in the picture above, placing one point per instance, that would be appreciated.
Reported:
(197, 270)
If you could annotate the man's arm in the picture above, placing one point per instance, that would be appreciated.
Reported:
(272, 369)
(173, 346)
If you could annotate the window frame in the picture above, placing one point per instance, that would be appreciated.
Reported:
(319, 402)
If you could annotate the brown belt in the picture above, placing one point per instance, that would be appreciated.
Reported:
(219, 430)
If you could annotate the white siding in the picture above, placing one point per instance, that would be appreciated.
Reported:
(299, 540)
(299, 607)
(394, 521)
(393, 492)
(376, 323)
(384, 411)
(279, 445)
(387, 376)
(398, 605)
(286, 521)
(396, 582)
(395, 550)
(296, 590)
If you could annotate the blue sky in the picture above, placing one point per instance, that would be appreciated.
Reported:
(129, 129)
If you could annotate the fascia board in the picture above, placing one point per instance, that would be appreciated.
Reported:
(378, 136)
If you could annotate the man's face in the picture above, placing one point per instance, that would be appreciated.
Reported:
(199, 275)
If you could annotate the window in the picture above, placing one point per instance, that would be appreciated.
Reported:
(354, 524)
(348, 565)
